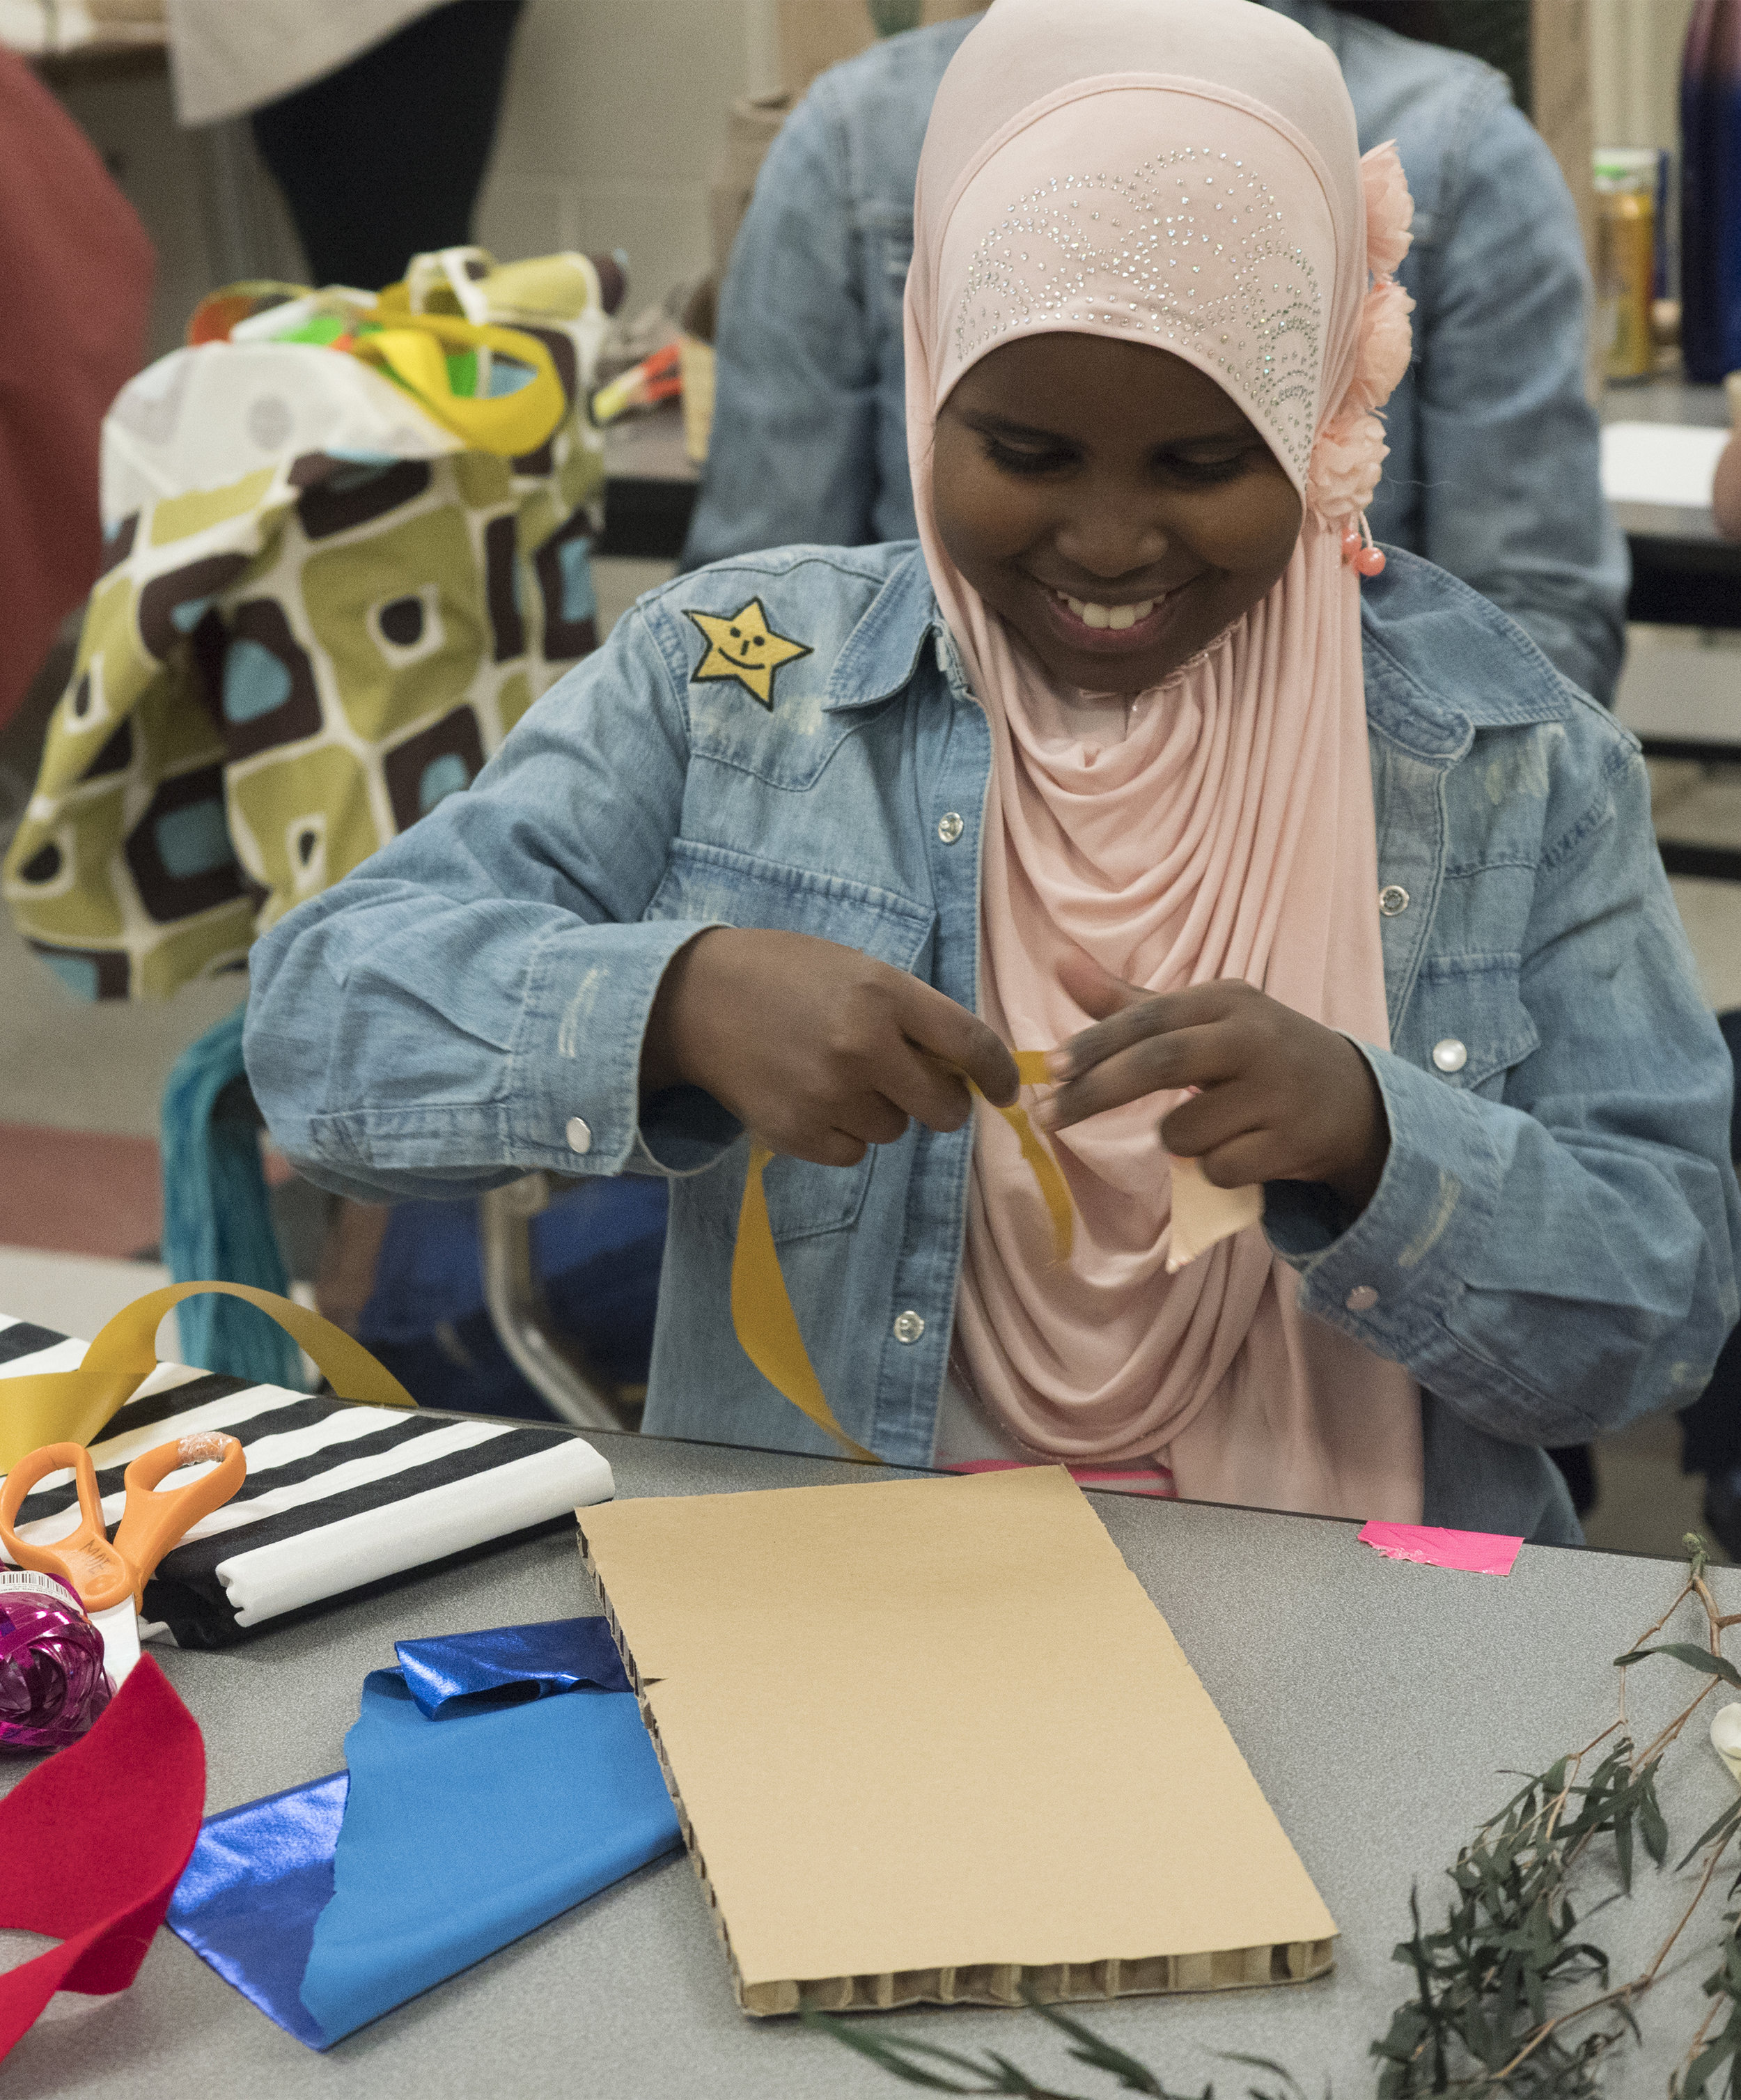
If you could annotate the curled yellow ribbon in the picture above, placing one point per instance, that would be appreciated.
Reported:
(72, 1407)
(413, 348)
(762, 1306)
(1030, 1068)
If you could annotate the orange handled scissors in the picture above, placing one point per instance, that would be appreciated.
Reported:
(109, 1579)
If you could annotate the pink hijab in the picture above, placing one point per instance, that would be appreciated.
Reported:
(1183, 173)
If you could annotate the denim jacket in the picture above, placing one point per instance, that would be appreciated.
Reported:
(1493, 471)
(1550, 1249)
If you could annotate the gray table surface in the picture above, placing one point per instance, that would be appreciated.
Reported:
(1378, 1703)
(648, 446)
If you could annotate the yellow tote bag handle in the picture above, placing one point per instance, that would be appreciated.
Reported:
(413, 348)
(73, 1407)
(762, 1306)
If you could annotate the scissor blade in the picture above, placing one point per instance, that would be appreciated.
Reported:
(119, 1626)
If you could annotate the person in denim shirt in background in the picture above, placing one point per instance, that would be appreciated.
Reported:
(1306, 867)
(1493, 470)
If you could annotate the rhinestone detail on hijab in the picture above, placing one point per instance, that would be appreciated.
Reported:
(1264, 327)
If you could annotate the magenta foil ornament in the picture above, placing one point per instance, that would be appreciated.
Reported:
(52, 1683)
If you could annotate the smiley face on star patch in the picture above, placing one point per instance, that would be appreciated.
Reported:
(744, 646)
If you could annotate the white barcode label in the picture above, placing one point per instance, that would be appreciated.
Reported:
(24, 1578)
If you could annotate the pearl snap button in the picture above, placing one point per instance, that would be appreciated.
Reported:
(949, 828)
(1450, 1055)
(1361, 1299)
(579, 1135)
(1393, 898)
(909, 1326)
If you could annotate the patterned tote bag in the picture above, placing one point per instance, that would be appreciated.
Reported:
(347, 546)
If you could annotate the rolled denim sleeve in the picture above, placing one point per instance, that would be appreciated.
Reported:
(792, 458)
(1555, 1262)
(435, 1023)
(1512, 499)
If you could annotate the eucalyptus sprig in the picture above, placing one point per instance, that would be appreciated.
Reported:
(1488, 2016)
(1709, 2051)
(900, 2055)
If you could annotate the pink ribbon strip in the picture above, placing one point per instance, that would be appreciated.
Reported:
(1475, 1552)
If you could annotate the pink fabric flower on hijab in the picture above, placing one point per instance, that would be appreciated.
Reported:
(1350, 452)
(1346, 463)
(1390, 209)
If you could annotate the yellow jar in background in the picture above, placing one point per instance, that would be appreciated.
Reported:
(1625, 184)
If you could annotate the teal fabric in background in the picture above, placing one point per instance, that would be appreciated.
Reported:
(462, 1833)
(216, 1221)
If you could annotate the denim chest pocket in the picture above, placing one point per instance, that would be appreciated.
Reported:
(787, 745)
(1467, 1021)
(717, 883)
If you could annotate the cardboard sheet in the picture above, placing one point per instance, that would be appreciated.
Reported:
(929, 1740)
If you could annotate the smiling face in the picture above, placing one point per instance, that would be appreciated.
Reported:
(1110, 502)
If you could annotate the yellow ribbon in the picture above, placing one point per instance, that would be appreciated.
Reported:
(413, 348)
(73, 1407)
(762, 1306)
(1030, 1068)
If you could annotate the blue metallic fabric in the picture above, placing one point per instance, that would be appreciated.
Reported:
(327, 1911)
(260, 1876)
(463, 1833)
(509, 1665)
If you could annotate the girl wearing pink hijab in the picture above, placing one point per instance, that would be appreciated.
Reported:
(1394, 1130)
(1126, 385)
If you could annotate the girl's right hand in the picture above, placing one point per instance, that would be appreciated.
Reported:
(818, 1049)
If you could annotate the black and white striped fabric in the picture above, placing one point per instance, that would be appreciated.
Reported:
(337, 1496)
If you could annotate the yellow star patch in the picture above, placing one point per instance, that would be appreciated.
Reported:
(744, 647)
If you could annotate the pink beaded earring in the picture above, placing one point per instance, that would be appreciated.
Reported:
(1359, 552)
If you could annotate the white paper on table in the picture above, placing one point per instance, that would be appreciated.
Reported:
(1661, 463)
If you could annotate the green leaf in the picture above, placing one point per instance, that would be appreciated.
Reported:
(1652, 1827)
(1694, 1658)
(1699, 2070)
(1723, 1828)
(1100, 2055)
(1289, 2082)
(882, 2050)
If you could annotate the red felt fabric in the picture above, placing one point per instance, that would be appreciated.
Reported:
(94, 1841)
(75, 294)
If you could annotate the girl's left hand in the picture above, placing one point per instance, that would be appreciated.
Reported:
(1282, 1098)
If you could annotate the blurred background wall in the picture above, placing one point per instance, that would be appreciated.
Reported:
(1635, 59)
(614, 120)
(616, 114)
